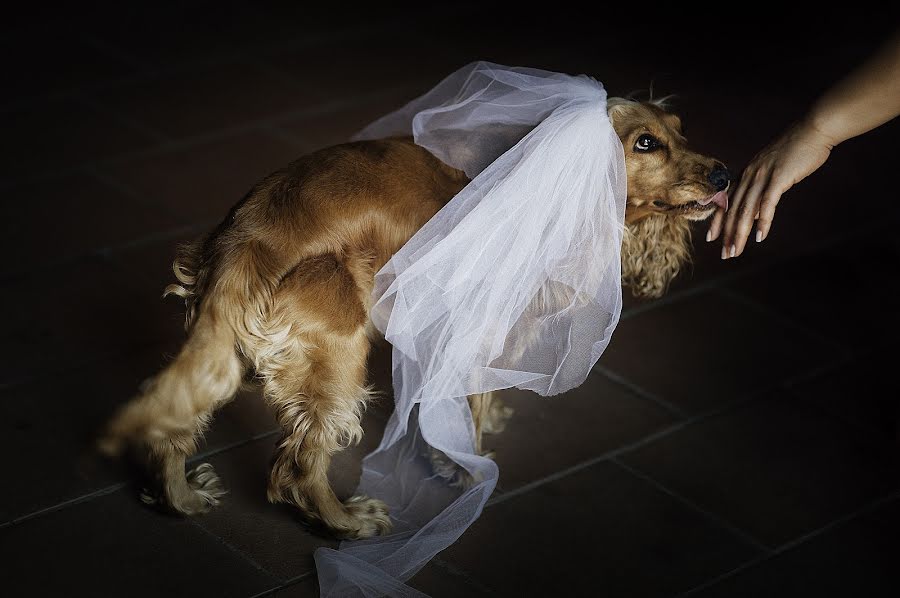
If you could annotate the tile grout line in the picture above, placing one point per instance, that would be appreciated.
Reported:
(613, 453)
(678, 296)
(233, 445)
(712, 517)
(461, 573)
(609, 455)
(860, 429)
(781, 318)
(121, 119)
(284, 135)
(264, 65)
(796, 542)
(286, 584)
(119, 485)
(76, 365)
(327, 108)
(166, 235)
(150, 71)
(878, 502)
(558, 475)
(675, 427)
(640, 391)
(231, 548)
(194, 229)
(791, 382)
(107, 252)
(724, 279)
(785, 384)
(439, 562)
(324, 38)
(67, 503)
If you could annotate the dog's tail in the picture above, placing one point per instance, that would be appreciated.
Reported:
(187, 270)
(228, 295)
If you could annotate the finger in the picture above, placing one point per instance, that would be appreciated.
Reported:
(715, 227)
(750, 180)
(745, 219)
(731, 216)
(767, 213)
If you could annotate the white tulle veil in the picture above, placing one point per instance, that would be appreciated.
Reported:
(514, 283)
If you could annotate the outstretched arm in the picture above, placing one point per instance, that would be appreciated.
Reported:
(865, 99)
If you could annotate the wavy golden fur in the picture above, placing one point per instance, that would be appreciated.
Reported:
(281, 290)
(654, 249)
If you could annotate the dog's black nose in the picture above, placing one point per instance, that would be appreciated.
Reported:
(719, 177)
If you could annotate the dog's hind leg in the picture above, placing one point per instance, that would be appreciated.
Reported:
(489, 416)
(314, 375)
(174, 408)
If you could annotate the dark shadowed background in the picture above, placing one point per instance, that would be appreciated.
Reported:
(739, 438)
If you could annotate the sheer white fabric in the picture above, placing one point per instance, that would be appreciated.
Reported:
(514, 283)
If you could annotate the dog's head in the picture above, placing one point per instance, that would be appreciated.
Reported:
(668, 186)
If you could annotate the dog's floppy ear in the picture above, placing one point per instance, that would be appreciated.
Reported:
(654, 250)
(617, 108)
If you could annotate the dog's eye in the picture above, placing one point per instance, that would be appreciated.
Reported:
(646, 143)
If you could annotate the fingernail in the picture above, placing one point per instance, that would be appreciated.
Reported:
(708, 236)
(733, 250)
(759, 236)
(724, 254)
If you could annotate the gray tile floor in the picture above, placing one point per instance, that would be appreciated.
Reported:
(741, 437)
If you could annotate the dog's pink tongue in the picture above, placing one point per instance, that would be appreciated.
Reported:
(720, 199)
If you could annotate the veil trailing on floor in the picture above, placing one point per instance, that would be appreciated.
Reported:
(514, 283)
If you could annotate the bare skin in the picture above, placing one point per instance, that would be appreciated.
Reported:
(864, 100)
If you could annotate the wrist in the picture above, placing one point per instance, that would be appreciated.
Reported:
(824, 127)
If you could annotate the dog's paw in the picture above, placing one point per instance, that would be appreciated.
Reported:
(370, 515)
(497, 417)
(456, 475)
(206, 484)
(203, 490)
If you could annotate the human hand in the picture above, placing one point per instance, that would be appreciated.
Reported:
(799, 152)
